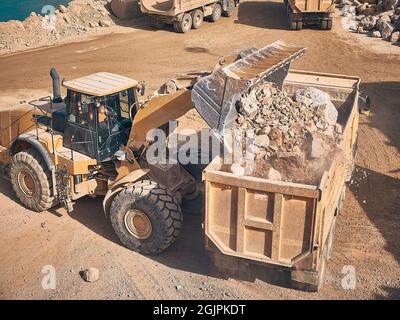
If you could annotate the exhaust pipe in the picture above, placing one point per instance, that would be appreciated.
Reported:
(56, 86)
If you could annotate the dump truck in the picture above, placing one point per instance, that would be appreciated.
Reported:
(93, 142)
(290, 226)
(304, 12)
(185, 15)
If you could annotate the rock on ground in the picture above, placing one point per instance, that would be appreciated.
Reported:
(378, 18)
(90, 275)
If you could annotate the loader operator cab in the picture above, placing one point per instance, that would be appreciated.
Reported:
(99, 113)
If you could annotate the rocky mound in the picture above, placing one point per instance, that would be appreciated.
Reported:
(78, 18)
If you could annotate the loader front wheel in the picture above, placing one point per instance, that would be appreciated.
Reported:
(31, 180)
(146, 217)
(185, 24)
(216, 13)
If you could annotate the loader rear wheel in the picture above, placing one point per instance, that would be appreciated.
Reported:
(146, 217)
(216, 13)
(230, 6)
(185, 24)
(31, 180)
(197, 18)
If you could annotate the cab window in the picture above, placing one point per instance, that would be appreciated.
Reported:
(81, 109)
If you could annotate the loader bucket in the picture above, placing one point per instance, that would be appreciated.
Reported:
(215, 96)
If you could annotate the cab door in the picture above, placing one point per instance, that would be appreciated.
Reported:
(80, 131)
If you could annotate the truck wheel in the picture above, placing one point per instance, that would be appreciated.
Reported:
(295, 24)
(326, 24)
(216, 13)
(184, 25)
(197, 18)
(230, 6)
(31, 180)
(146, 217)
(156, 24)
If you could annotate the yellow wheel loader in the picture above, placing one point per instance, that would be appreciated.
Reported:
(93, 142)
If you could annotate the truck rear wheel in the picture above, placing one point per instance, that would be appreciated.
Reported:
(295, 24)
(230, 6)
(216, 13)
(31, 180)
(146, 217)
(185, 24)
(197, 18)
(326, 24)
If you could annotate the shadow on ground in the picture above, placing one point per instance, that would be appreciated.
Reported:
(385, 110)
(379, 197)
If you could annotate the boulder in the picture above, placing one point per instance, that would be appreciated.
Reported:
(395, 36)
(376, 34)
(369, 11)
(126, 9)
(369, 22)
(361, 8)
(386, 29)
(390, 4)
(105, 23)
(62, 8)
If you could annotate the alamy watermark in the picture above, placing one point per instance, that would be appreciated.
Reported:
(49, 281)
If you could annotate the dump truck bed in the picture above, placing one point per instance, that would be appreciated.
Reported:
(313, 5)
(171, 8)
(283, 223)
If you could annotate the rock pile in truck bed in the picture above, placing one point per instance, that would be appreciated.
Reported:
(292, 139)
(376, 18)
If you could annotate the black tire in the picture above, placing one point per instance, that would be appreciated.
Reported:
(158, 205)
(326, 24)
(197, 18)
(156, 24)
(216, 13)
(230, 7)
(184, 25)
(32, 181)
(294, 24)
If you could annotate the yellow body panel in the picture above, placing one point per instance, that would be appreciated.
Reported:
(158, 111)
(100, 84)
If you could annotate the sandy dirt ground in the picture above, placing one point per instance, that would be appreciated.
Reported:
(367, 231)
